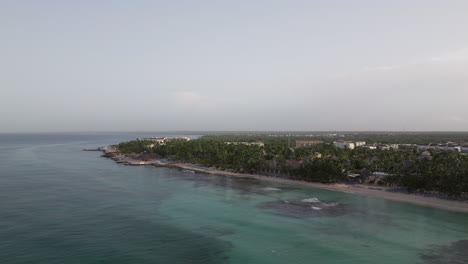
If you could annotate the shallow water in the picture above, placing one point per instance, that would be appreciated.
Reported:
(59, 204)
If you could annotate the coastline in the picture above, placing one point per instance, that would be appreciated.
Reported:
(357, 189)
(451, 205)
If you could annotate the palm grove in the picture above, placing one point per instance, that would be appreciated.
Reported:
(447, 172)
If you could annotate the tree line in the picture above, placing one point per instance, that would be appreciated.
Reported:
(447, 172)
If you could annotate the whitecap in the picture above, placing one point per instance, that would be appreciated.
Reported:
(311, 200)
(330, 204)
(270, 189)
(316, 208)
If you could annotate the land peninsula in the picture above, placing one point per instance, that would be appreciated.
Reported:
(423, 169)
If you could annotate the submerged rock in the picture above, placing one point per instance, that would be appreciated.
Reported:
(309, 207)
(455, 253)
(246, 185)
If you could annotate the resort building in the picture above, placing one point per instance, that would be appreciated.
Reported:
(464, 148)
(359, 143)
(163, 140)
(388, 146)
(306, 143)
(440, 146)
(159, 140)
(346, 144)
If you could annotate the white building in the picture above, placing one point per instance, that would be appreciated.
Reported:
(445, 146)
(359, 143)
(454, 148)
(159, 140)
(370, 146)
(388, 146)
(464, 148)
(344, 144)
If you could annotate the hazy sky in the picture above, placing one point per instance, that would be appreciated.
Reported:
(233, 65)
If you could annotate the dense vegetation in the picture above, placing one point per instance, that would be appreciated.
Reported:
(369, 137)
(447, 171)
(134, 146)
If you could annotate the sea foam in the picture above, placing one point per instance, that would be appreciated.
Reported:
(311, 200)
(270, 189)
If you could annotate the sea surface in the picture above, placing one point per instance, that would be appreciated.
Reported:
(59, 204)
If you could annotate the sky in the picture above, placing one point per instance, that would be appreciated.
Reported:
(233, 65)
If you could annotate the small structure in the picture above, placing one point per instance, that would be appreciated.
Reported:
(354, 177)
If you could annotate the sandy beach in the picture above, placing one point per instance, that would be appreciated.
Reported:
(357, 189)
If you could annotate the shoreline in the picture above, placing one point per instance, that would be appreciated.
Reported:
(356, 189)
(451, 205)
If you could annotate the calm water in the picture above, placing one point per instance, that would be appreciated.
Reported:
(59, 204)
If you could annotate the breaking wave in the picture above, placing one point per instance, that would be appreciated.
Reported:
(311, 200)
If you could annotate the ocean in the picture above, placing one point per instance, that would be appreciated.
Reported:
(59, 204)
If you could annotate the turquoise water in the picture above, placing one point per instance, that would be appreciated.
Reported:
(59, 204)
